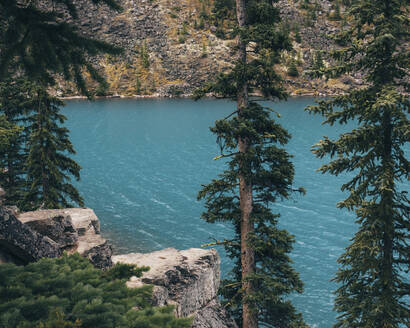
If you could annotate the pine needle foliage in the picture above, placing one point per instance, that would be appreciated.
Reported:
(48, 167)
(8, 133)
(253, 141)
(70, 292)
(40, 39)
(374, 286)
(15, 103)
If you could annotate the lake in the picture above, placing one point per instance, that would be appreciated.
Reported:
(145, 160)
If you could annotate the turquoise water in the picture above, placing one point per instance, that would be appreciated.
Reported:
(145, 160)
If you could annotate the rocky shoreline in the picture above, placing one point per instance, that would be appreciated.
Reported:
(188, 96)
(187, 279)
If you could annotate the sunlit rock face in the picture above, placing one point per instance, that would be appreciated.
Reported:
(188, 279)
(29, 236)
(75, 230)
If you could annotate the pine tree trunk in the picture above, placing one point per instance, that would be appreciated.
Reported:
(386, 205)
(44, 180)
(387, 315)
(249, 316)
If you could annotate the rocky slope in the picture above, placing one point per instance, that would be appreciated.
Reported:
(171, 46)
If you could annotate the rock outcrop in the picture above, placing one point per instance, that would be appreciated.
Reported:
(74, 230)
(29, 236)
(58, 227)
(187, 279)
(20, 244)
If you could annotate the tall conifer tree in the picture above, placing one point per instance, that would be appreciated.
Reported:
(49, 169)
(374, 268)
(259, 173)
(40, 40)
(15, 104)
(8, 131)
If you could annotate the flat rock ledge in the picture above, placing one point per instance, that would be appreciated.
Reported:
(75, 230)
(29, 236)
(188, 279)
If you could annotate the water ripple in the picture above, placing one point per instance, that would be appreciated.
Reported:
(145, 160)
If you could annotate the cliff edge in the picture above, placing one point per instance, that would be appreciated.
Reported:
(188, 279)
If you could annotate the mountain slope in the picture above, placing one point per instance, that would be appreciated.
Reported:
(172, 47)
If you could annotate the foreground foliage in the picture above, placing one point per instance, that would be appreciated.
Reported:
(15, 103)
(8, 133)
(374, 268)
(259, 173)
(70, 292)
(36, 167)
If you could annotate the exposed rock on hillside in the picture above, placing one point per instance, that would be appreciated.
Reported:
(188, 279)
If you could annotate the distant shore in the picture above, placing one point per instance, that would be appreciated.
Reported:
(186, 96)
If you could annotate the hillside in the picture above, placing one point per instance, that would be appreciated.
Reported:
(171, 47)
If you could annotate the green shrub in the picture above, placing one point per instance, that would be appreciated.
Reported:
(101, 90)
(144, 55)
(335, 14)
(70, 292)
(137, 86)
(181, 39)
(318, 63)
(292, 69)
(201, 23)
(298, 38)
(204, 53)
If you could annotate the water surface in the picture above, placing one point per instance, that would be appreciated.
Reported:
(145, 160)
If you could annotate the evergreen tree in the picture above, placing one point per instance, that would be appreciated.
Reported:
(8, 132)
(293, 69)
(49, 169)
(259, 173)
(70, 292)
(318, 63)
(15, 103)
(374, 269)
(298, 37)
(40, 39)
